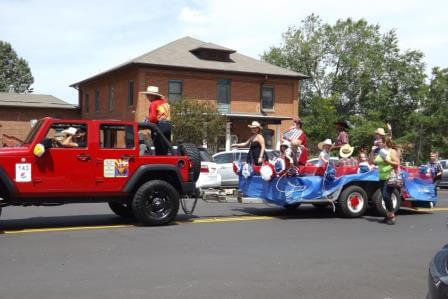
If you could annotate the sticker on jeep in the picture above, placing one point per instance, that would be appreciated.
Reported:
(23, 172)
(116, 168)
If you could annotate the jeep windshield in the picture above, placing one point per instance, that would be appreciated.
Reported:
(32, 133)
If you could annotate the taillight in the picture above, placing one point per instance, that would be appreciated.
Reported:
(204, 169)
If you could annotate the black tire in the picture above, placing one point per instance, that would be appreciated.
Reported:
(292, 206)
(378, 204)
(190, 150)
(155, 203)
(122, 210)
(349, 201)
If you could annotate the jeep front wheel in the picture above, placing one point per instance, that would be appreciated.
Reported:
(121, 209)
(155, 203)
(352, 202)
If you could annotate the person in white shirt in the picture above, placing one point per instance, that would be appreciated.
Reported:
(324, 156)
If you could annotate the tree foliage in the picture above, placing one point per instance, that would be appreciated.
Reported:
(360, 74)
(196, 121)
(14, 70)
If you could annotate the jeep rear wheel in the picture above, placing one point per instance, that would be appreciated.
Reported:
(352, 202)
(122, 210)
(192, 152)
(155, 203)
(380, 207)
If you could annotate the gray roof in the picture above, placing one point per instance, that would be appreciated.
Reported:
(12, 99)
(178, 54)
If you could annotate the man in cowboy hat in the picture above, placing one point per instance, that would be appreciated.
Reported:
(159, 114)
(341, 127)
(345, 152)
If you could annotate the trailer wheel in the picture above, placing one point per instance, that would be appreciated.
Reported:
(122, 210)
(352, 202)
(380, 207)
(155, 203)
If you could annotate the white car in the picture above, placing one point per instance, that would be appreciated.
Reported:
(224, 161)
(209, 176)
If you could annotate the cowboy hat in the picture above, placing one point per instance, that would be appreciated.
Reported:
(380, 131)
(154, 90)
(286, 143)
(69, 131)
(325, 142)
(346, 151)
(343, 123)
(255, 124)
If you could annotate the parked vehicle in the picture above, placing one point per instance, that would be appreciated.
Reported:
(314, 161)
(444, 180)
(438, 275)
(224, 162)
(108, 166)
(209, 176)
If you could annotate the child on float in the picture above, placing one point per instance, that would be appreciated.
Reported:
(324, 156)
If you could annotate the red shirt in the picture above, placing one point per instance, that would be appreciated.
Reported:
(159, 109)
(304, 156)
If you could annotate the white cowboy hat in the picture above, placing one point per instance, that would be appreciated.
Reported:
(154, 90)
(325, 142)
(70, 131)
(346, 151)
(380, 131)
(286, 143)
(255, 124)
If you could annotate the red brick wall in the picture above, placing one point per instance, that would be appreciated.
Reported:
(245, 92)
(16, 121)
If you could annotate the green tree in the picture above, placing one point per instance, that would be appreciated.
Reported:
(14, 70)
(196, 122)
(358, 70)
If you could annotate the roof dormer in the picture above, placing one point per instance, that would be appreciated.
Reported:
(209, 51)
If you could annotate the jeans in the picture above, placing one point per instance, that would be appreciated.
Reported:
(161, 148)
(387, 191)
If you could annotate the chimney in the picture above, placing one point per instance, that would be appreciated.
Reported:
(11, 88)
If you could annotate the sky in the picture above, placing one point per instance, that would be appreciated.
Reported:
(67, 41)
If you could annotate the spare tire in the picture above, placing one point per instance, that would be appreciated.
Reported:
(192, 152)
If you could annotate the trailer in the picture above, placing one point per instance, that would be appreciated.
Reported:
(350, 191)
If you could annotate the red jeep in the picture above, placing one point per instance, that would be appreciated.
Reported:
(111, 165)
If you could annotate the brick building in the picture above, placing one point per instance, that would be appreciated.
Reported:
(243, 88)
(17, 110)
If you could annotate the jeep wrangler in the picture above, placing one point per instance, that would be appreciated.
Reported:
(112, 164)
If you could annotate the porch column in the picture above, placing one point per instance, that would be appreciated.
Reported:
(228, 136)
(277, 137)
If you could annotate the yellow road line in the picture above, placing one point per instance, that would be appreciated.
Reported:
(194, 220)
(227, 219)
(59, 229)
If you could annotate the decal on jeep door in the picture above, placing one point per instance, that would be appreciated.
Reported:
(116, 168)
(23, 172)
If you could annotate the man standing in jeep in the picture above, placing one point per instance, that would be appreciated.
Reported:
(159, 114)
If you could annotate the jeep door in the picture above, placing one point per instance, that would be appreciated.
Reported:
(116, 154)
(66, 169)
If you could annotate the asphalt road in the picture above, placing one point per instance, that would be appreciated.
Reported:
(226, 251)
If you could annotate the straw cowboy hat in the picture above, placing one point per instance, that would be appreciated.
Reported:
(255, 124)
(380, 131)
(152, 90)
(325, 142)
(346, 151)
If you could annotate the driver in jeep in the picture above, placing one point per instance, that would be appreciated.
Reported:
(74, 138)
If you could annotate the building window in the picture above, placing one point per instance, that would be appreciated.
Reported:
(131, 93)
(97, 101)
(111, 98)
(223, 95)
(87, 103)
(268, 135)
(267, 98)
(175, 89)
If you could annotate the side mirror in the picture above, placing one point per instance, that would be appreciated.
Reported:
(39, 150)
